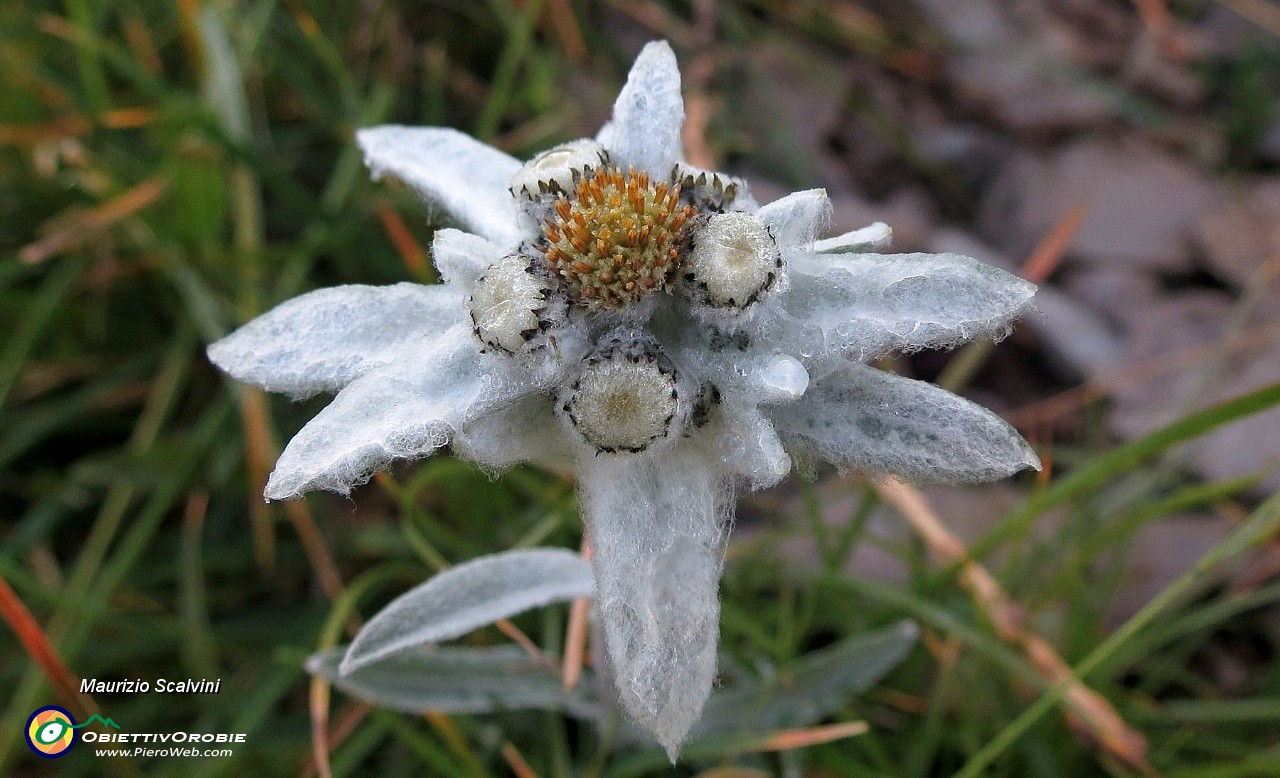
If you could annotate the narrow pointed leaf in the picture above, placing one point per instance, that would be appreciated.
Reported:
(819, 685)
(457, 680)
(468, 597)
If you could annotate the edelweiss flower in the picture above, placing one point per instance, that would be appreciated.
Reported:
(615, 311)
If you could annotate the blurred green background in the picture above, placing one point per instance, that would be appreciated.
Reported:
(170, 169)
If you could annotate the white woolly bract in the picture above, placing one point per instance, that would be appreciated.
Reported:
(323, 340)
(657, 526)
(861, 306)
(404, 410)
(525, 431)
(864, 419)
(462, 257)
(870, 238)
(645, 129)
(742, 441)
(797, 219)
(450, 170)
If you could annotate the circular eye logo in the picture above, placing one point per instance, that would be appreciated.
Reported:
(51, 731)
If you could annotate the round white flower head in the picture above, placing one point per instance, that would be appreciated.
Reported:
(733, 261)
(558, 169)
(509, 302)
(611, 309)
(626, 398)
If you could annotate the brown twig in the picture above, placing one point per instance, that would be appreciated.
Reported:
(1085, 706)
(317, 550)
(259, 454)
(575, 639)
(261, 450)
(1159, 22)
(1048, 253)
(506, 627)
(318, 705)
(516, 761)
(347, 722)
(790, 739)
(560, 15)
(42, 651)
(699, 75)
(79, 227)
(412, 254)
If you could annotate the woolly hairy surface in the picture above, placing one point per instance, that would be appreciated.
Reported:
(865, 419)
(413, 377)
(862, 306)
(734, 434)
(404, 410)
(797, 219)
(452, 171)
(648, 114)
(743, 442)
(657, 526)
(870, 238)
(470, 596)
(525, 431)
(462, 257)
(323, 340)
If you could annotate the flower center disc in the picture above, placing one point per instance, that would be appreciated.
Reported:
(618, 239)
(625, 399)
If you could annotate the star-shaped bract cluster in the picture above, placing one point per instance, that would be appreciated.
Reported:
(749, 383)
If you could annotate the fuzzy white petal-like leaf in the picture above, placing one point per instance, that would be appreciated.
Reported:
(745, 444)
(657, 527)
(404, 410)
(323, 340)
(870, 238)
(797, 219)
(525, 431)
(861, 306)
(452, 171)
(462, 257)
(470, 596)
(458, 680)
(648, 114)
(864, 419)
